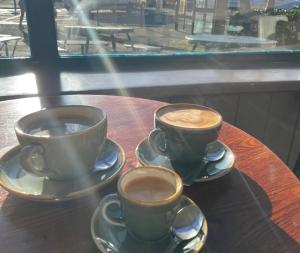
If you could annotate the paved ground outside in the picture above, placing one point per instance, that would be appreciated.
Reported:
(158, 29)
(153, 28)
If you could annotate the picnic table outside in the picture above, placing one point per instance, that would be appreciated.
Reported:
(225, 41)
(5, 39)
(108, 30)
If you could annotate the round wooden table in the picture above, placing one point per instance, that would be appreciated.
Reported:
(255, 208)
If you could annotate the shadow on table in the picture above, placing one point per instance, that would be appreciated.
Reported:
(30, 226)
(236, 201)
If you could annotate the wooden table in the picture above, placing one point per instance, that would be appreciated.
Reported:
(94, 31)
(255, 208)
(4, 40)
(224, 41)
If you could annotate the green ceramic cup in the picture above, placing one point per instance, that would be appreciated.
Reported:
(146, 220)
(62, 142)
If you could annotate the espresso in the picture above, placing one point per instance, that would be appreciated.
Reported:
(149, 189)
(58, 128)
(191, 118)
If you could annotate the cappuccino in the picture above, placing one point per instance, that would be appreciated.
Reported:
(191, 118)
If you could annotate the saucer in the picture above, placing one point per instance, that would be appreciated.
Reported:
(115, 239)
(213, 170)
(26, 185)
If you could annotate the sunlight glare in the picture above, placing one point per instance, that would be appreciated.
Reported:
(106, 59)
(27, 84)
(29, 106)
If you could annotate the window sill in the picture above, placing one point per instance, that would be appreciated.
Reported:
(154, 83)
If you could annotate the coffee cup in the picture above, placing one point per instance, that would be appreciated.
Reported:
(182, 131)
(149, 198)
(62, 142)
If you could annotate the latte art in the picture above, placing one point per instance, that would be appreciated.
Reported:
(191, 118)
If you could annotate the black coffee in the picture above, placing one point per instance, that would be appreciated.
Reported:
(149, 189)
(60, 127)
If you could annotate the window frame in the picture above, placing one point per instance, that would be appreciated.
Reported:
(40, 14)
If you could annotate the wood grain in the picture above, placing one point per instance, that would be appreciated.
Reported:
(255, 208)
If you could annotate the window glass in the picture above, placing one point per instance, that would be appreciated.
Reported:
(14, 40)
(168, 26)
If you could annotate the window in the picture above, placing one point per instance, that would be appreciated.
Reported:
(90, 27)
(14, 39)
(133, 31)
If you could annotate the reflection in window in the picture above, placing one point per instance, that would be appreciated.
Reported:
(14, 41)
(167, 26)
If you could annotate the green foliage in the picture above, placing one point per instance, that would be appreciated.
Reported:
(286, 32)
(292, 14)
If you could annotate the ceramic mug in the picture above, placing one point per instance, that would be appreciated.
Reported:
(182, 131)
(148, 219)
(62, 142)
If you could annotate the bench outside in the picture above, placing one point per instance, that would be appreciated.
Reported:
(92, 31)
(84, 44)
(4, 40)
(143, 47)
(224, 41)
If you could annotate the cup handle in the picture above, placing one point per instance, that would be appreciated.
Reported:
(109, 200)
(157, 141)
(32, 159)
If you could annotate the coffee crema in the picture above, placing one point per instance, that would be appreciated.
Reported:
(149, 189)
(191, 118)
